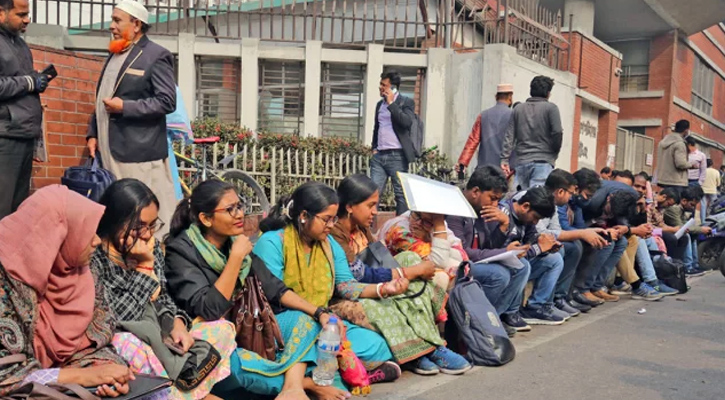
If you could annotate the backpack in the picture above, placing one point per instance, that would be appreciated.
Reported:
(478, 324)
(89, 180)
(417, 135)
(671, 271)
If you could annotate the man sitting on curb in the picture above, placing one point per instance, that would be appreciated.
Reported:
(503, 286)
(678, 214)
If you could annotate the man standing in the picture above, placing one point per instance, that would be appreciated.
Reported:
(698, 163)
(535, 132)
(672, 163)
(392, 145)
(136, 91)
(710, 187)
(20, 111)
(489, 129)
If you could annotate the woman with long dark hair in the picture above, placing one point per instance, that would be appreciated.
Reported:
(130, 264)
(208, 259)
(408, 323)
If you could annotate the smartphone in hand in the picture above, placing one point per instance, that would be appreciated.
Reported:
(50, 71)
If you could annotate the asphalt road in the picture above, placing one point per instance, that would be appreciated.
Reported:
(675, 350)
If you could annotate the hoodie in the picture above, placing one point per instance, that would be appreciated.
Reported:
(672, 164)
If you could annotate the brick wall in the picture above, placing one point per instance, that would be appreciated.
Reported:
(595, 67)
(69, 102)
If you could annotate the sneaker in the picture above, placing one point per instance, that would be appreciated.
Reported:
(515, 321)
(579, 306)
(449, 362)
(647, 293)
(560, 313)
(623, 289)
(581, 299)
(510, 330)
(592, 298)
(694, 271)
(659, 286)
(541, 316)
(424, 366)
(388, 372)
(602, 294)
(562, 305)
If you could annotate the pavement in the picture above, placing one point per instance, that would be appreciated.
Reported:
(675, 350)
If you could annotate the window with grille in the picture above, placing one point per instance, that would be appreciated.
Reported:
(412, 81)
(281, 96)
(703, 81)
(341, 100)
(218, 89)
(635, 65)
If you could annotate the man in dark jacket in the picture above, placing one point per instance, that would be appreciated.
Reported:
(20, 111)
(535, 134)
(503, 286)
(392, 145)
(136, 91)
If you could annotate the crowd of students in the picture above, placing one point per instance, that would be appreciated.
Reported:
(91, 296)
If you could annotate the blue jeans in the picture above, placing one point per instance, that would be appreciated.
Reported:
(545, 271)
(386, 164)
(598, 264)
(533, 174)
(691, 257)
(572, 254)
(504, 287)
(644, 261)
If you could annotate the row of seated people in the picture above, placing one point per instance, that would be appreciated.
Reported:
(90, 295)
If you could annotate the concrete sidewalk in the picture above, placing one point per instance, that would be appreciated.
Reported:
(676, 350)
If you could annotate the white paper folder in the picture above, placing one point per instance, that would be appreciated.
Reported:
(429, 196)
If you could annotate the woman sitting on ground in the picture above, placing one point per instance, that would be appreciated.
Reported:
(407, 323)
(158, 338)
(428, 236)
(55, 318)
(208, 257)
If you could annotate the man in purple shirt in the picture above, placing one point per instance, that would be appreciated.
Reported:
(392, 146)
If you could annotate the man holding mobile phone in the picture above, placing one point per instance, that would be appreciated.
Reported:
(392, 145)
(20, 112)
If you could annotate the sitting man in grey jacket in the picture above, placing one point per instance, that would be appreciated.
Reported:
(535, 133)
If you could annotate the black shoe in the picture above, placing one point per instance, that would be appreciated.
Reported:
(583, 300)
(510, 330)
(694, 271)
(515, 321)
(562, 305)
(543, 315)
(579, 306)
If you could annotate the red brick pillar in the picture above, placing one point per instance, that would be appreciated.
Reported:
(606, 135)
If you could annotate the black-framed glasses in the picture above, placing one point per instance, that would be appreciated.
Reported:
(233, 209)
(153, 227)
(329, 221)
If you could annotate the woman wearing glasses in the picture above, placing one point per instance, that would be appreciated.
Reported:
(158, 338)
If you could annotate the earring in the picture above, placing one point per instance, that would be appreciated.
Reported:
(302, 221)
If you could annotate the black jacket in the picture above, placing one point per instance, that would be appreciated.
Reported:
(191, 281)
(147, 87)
(21, 115)
(402, 112)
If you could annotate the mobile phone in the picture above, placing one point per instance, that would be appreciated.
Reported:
(50, 71)
(606, 236)
(555, 248)
(174, 347)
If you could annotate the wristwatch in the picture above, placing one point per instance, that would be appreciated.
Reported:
(319, 312)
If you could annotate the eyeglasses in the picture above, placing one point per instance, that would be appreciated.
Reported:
(329, 221)
(154, 227)
(233, 210)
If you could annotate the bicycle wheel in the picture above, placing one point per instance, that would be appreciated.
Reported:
(251, 192)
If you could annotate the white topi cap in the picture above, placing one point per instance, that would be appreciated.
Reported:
(504, 88)
(134, 9)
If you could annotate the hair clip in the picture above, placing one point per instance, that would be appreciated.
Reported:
(286, 209)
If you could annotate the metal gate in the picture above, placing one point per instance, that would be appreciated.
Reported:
(635, 152)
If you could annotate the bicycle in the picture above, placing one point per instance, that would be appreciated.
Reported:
(250, 191)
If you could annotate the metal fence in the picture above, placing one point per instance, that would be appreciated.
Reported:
(279, 171)
(534, 30)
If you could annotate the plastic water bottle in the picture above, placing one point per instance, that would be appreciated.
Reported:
(328, 345)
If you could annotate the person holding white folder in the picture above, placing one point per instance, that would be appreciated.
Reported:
(678, 214)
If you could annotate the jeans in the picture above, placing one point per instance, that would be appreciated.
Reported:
(504, 287)
(644, 261)
(16, 169)
(676, 247)
(533, 174)
(386, 164)
(691, 259)
(572, 254)
(598, 265)
(707, 201)
(545, 271)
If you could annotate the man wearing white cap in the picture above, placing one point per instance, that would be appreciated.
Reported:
(489, 130)
(136, 91)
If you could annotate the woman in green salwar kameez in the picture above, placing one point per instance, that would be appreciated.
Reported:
(408, 322)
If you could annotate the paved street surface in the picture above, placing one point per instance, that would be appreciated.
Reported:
(676, 350)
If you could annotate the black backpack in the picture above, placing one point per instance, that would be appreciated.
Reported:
(479, 327)
(671, 271)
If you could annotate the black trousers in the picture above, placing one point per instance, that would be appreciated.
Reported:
(16, 168)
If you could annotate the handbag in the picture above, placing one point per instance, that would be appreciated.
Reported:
(90, 180)
(257, 328)
(376, 255)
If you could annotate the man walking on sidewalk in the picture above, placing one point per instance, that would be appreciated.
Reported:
(20, 112)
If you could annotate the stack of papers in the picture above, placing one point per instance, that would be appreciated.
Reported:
(689, 224)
